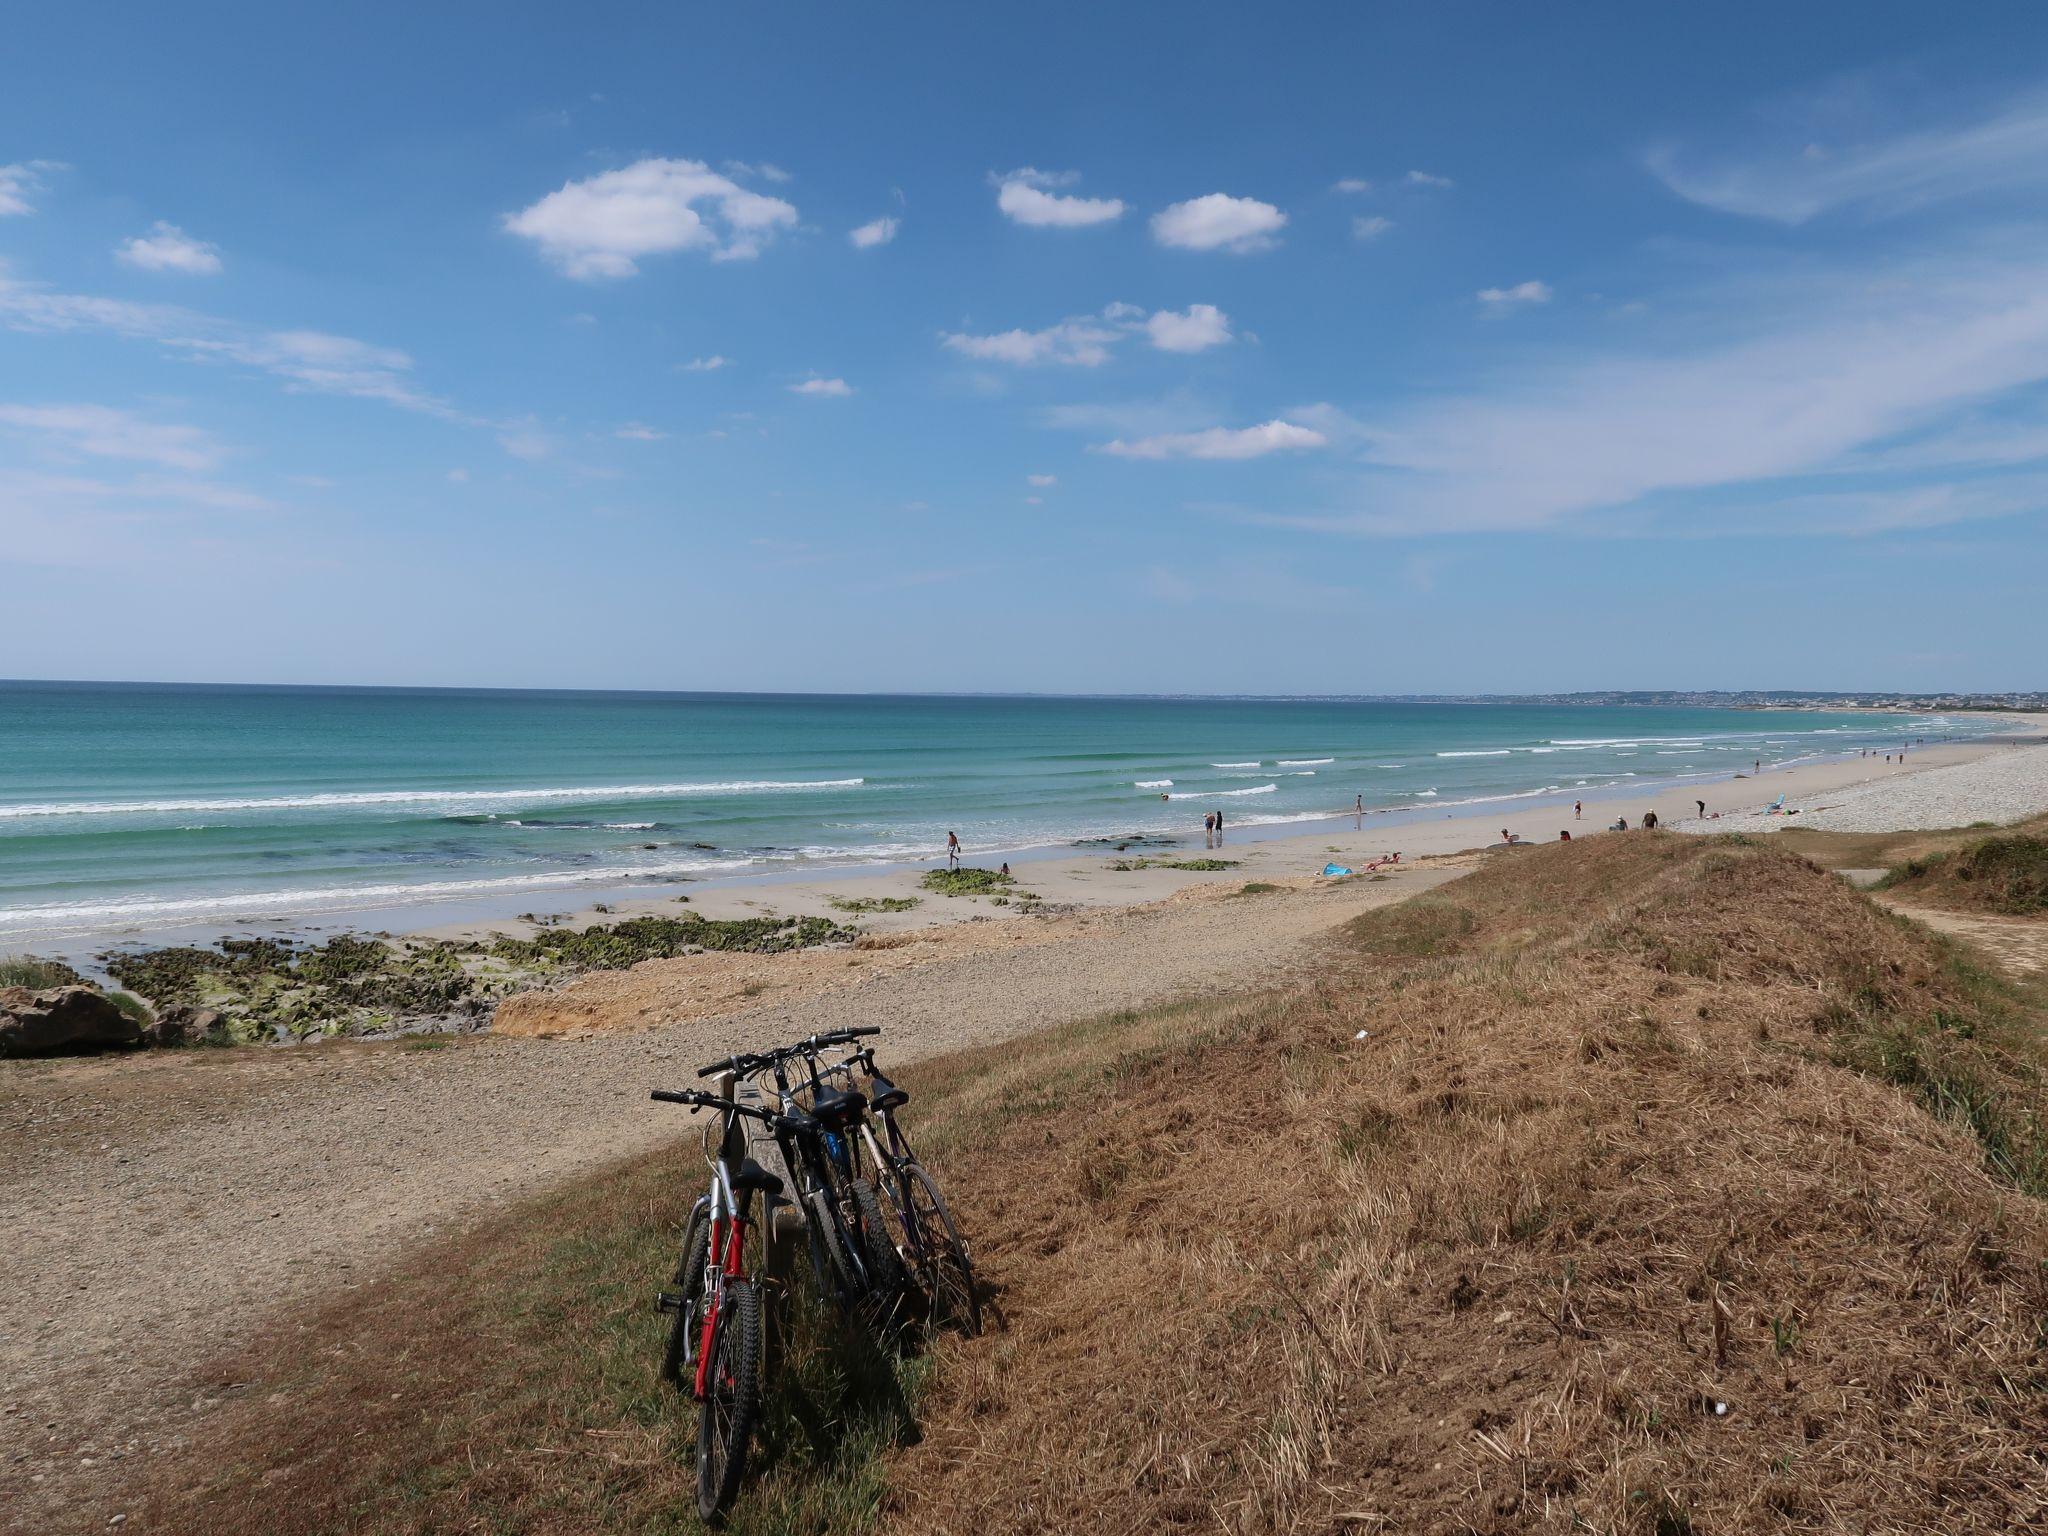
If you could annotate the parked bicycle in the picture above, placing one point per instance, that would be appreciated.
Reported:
(714, 1342)
(939, 1267)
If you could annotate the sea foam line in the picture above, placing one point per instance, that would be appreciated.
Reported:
(1219, 794)
(416, 797)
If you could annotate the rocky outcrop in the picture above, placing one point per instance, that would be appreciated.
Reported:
(62, 1019)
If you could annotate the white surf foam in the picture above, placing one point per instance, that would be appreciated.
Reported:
(1222, 794)
(1304, 762)
(1490, 752)
(475, 798)
(1152, 784)
(1252, 764)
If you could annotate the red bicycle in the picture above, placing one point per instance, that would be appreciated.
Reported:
(715, 1329)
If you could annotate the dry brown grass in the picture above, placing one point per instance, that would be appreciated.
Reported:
(1594, 1170)
(1641, 1125)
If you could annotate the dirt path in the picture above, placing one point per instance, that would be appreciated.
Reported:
(2018, 943)
(153, 1208)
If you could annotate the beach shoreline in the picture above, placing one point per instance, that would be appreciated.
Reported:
(1064, 876)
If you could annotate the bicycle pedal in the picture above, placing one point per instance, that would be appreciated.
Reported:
(669, 1301)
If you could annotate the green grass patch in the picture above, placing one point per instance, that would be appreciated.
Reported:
(2006, 874)
(1255, 888)
(967, 881)
(862, 905)
(38, 974)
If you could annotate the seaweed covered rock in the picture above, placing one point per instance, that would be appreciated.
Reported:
(59, 1019)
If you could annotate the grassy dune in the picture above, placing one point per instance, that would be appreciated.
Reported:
(1674, 1186)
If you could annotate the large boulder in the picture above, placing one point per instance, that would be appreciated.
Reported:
(61, 1019)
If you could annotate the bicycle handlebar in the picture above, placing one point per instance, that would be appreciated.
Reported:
(746, 1064)
(700, 1100)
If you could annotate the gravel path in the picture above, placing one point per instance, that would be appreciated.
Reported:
(2007, 786)
(152, 1208)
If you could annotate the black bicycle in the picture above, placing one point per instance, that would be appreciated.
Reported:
(939, 1269)
(852, 1252)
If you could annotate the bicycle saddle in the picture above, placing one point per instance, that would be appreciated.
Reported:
(884, 1094)
(839, 1109)
(753, 1176)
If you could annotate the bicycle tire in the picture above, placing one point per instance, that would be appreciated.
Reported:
(887, 1281)
(689, 1283)
(829, 1255)
(949, 1283)
(732, 1400)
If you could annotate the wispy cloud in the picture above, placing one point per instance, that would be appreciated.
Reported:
(1352, 186)
(106, 432)
(313, 361)
(1219, 222)
(1370, 229)
(1833, 369)
(1805, 168)
(1427, 179)
(1025, 197)
(1531, 292)
(706, 364)
(18, 181)
(1042, 481)
(1220, 443)
(834, 388)
(1088, 341)
(167, 248)
(602, 226)
(873, 233)
(639, 432)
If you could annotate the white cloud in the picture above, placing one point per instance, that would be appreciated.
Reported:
(1034, 501)
(458, 477)
(1042, 481)
(1826, 375)
(1369, 229)
(17, 181)
(1531, 292)
(1082, 342)
(833, 387)
(1219, 443)
(1219, 222)
(639, 432)
(526, 440)
(873, 233)
(762, 169)
(167, 248)
(1351, 186)
(311, 361)
(1425, 179)
(1799, 176)
(601, 226)
(1201, 327)
(105, 432)
(706, 364)
(1023, 197)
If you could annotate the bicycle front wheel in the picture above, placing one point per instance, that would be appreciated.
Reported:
(689, 1283)
(732, 1398)
(945, 1273)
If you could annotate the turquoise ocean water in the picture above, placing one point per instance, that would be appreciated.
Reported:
(128, 809)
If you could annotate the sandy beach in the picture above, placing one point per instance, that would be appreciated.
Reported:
(1068, 879)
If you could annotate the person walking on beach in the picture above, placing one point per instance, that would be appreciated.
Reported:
(1703, 808)
(952, 850)
(1219, 828)
(1578, 810)
(1209, 830)
(1758, 765)
(1358, 807)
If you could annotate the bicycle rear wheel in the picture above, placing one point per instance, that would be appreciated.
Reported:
(732, 1398)
(887, 1280)
(945, 1273)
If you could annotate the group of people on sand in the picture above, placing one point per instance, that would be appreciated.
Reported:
(1212, 829)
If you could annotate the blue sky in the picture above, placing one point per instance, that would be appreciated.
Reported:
(1179, 348)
